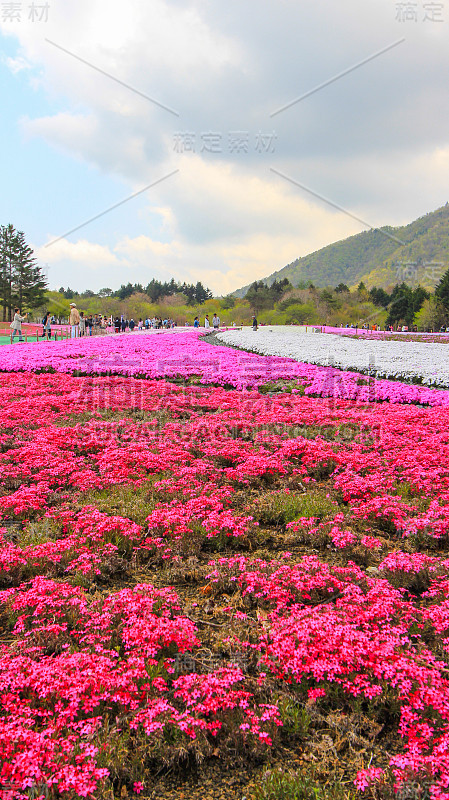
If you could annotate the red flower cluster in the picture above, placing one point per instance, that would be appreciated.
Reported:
(78, 671)
(84, 665)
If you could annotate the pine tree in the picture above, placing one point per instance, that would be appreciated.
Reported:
(8, 254)
(22, 283)
(201, 294)
(442, 290)
(29, 283)
(405, 303)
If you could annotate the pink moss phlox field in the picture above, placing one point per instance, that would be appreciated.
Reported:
(335, 629)
(399, 336)
(75, 665)
(182, 354)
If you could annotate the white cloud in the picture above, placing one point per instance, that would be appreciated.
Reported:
(143, 247)
(16, 64)
(80, 253)
(73, 132)
(373, 142)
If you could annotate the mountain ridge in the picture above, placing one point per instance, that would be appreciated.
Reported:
(417, 253)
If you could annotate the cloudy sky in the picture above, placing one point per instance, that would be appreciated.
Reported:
(194, 103)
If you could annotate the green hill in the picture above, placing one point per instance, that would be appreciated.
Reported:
(415, 253)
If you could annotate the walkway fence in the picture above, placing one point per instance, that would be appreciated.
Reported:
(32, 332)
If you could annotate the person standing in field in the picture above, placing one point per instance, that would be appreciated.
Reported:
(216, 322)
(206, 322)
(74, 321)
(46, 322)
(16, 324)
(82, 324)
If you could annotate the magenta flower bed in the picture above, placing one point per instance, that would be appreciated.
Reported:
(88, 664)
(183, 354)
(405, 336)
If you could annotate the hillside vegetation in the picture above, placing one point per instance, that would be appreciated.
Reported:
(278, 303)
(377, 257)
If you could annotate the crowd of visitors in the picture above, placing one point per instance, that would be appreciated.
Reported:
(121, 324)
(375, 327)
(86, 325)
(83, 324)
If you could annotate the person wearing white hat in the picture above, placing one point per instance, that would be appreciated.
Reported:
(74, 320)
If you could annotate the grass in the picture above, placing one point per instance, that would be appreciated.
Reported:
(296, 719)
(280, 785)
(281, 385)
(133, 502)
(39, 532)
(280, 508)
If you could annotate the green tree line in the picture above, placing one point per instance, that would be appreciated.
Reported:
(281, 302)
(195, 293)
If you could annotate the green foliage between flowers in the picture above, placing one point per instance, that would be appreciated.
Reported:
(280, 785)
(133, 502)
(279, 508)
